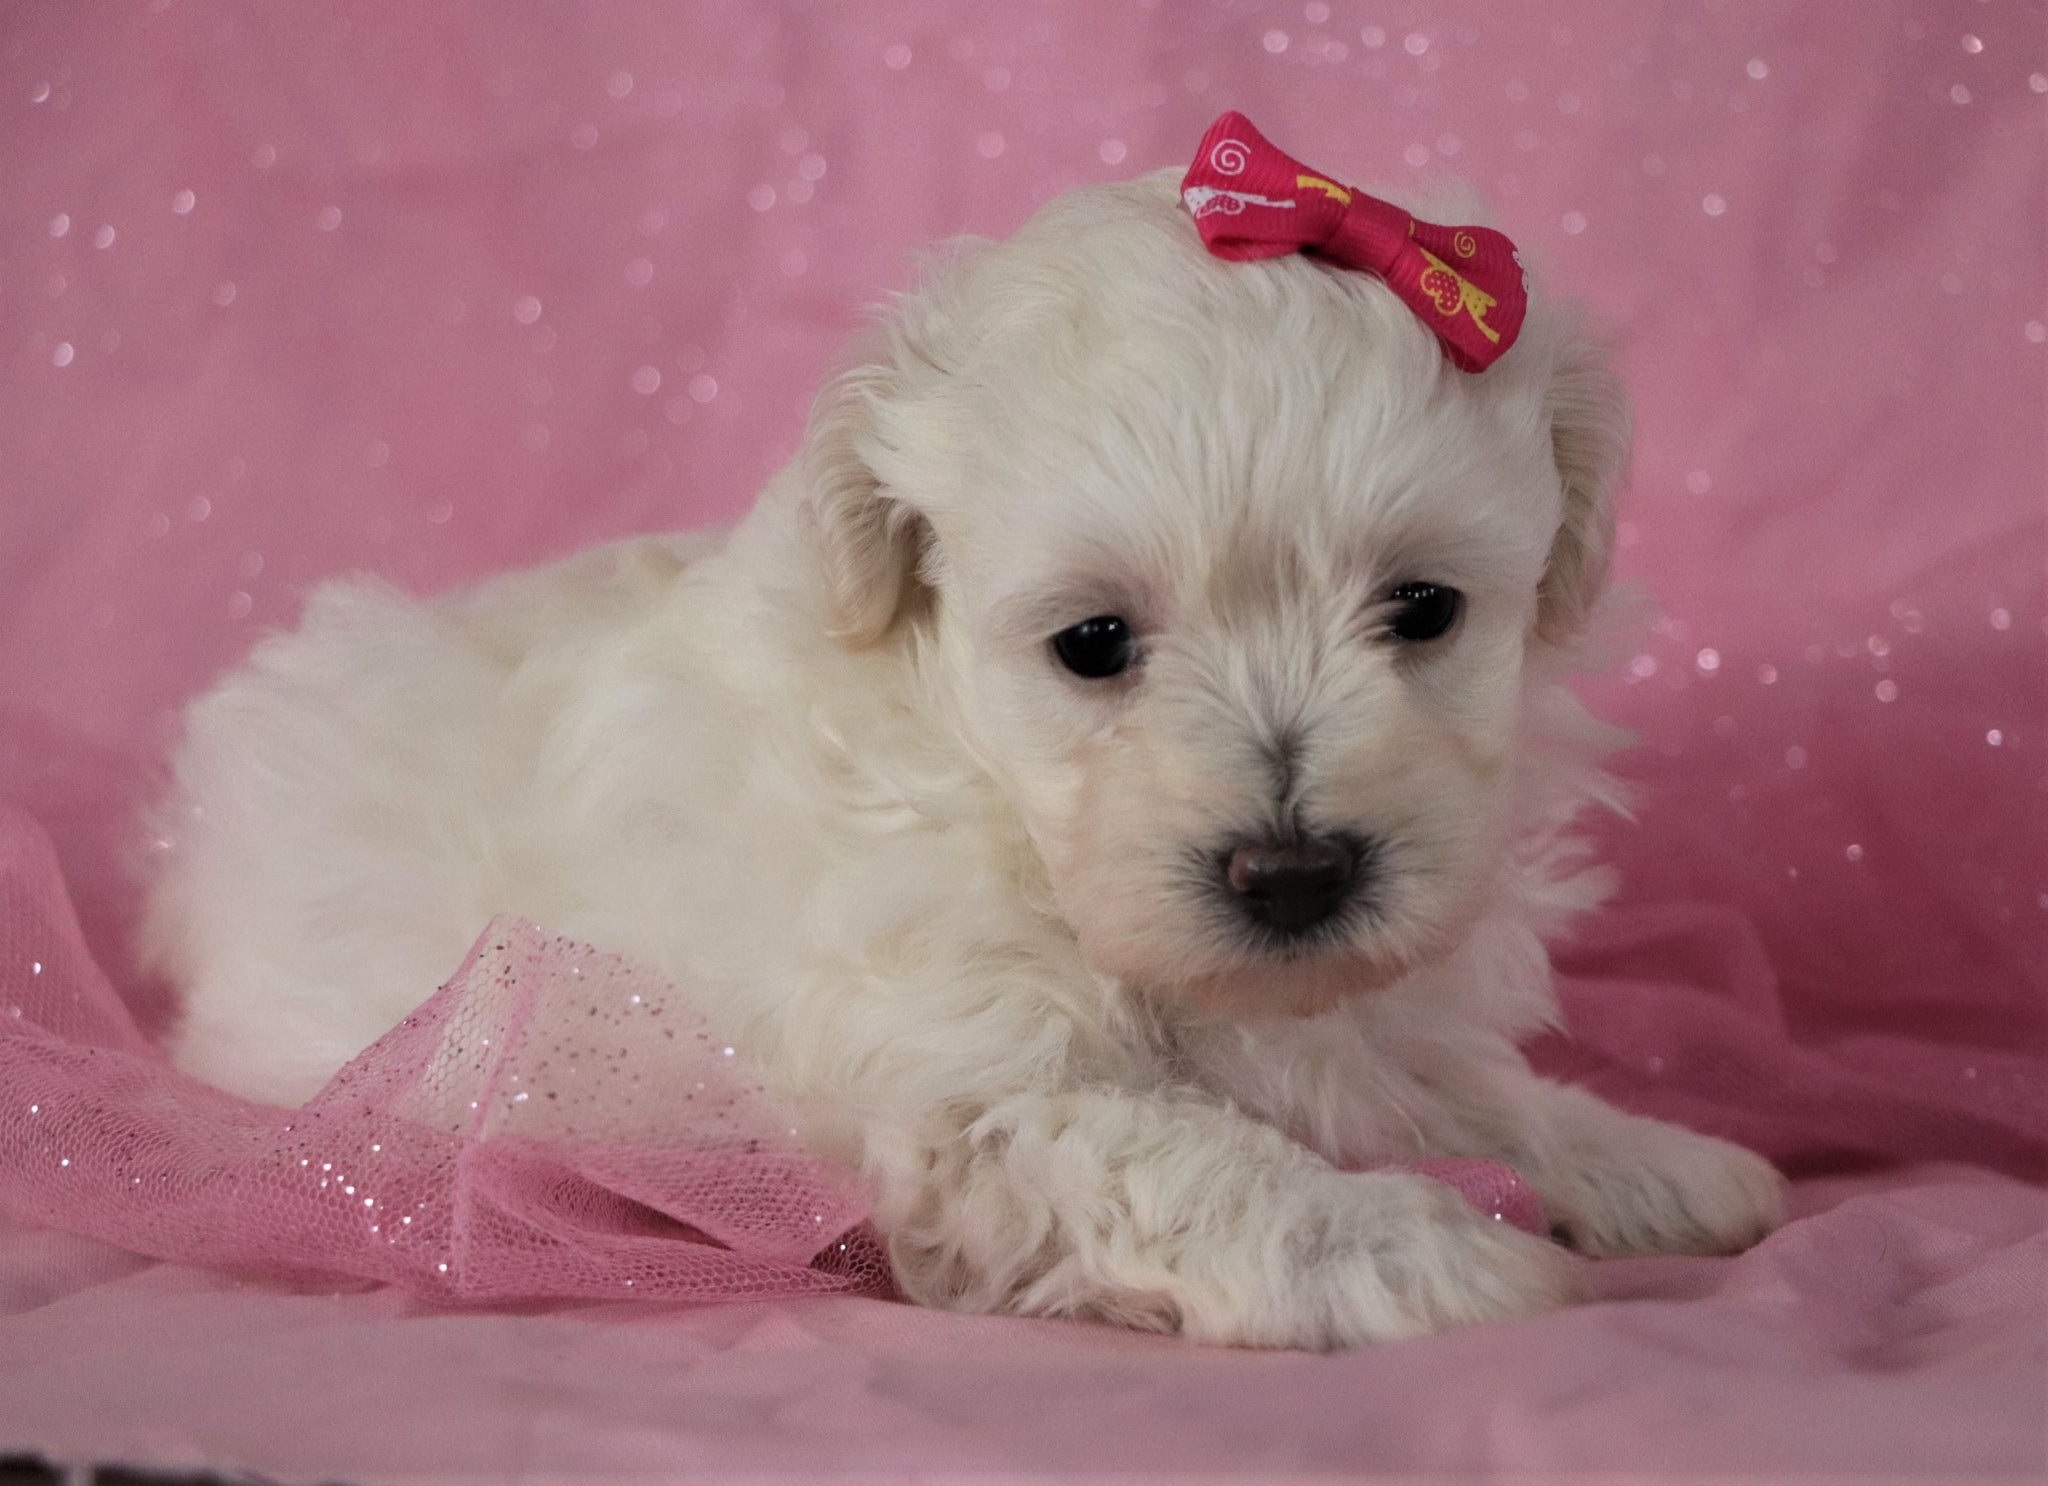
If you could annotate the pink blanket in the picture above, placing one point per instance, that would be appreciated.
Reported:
(440, 290)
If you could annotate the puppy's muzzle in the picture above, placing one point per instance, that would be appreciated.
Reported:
(1292, 887)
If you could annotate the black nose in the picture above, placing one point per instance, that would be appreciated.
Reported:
(1295, 885)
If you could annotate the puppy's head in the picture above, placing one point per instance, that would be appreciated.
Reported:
(1229, 579)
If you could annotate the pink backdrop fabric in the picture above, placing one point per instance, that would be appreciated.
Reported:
(440, 290)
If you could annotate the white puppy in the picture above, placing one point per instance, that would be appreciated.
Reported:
(1115, 781)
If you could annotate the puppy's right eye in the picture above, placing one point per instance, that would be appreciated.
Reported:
(1424, 610)
(1096, 648)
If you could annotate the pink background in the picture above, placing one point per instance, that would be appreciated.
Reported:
(438, 290)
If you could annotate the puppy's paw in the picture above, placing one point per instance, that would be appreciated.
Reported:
(1422, 1260)
(1664, 1190)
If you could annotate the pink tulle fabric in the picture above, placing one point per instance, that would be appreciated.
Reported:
(553, 1123)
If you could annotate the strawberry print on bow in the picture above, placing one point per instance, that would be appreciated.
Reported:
(1249, 200)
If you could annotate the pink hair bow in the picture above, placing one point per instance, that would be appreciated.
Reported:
(1251, 201)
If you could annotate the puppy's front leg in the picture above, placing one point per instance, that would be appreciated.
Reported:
(1613, 1183)
(1169, 1212)
(1616, 1183)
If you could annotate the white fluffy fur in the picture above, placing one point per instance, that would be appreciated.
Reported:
(826, 774)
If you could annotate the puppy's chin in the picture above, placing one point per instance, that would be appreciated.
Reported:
(1276, 986)
(1254, 985)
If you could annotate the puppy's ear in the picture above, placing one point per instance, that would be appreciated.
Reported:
(1590, 429)
(866, 437)
(867, 542)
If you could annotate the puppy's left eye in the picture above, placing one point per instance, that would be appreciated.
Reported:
(1423, 611)
(1098, 647)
